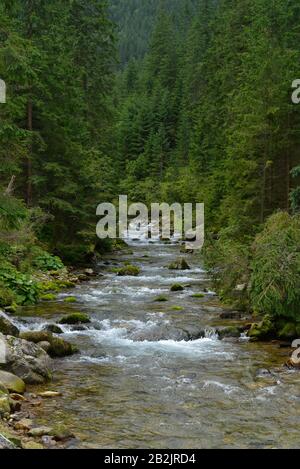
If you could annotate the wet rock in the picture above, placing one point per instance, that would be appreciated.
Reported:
(231, 331)
(4, 405)
(17, 397)
(231, 315)
(80, 328)
(45, 346)
(31, 445)
(161, 299)
(49, 441)
(70, 299)
(179, 264)
(3, 389)
(15, 406)
(129, 270)
(26, 360)
(40, 431)
(58, 346)
(61, 433)
(289, 331)
(177, 287)
(7, 327)
(75, 318)
(23, 425)
(90, 272)
(53, 328)
(11, 382)
(263, 330)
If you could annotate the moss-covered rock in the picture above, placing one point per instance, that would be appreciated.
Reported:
(75, 318)
(4, 405)
(179, 264)
(198, 295)
(177, 287)
(231, 331)
(263, 330)
(177, 308)
(70, 299)
(53, 328)
(130, 270)
(161, 298)
(55, 285)
(12, 382)
(58, 346)
(48, 297)
(7, 327)
(289, 331)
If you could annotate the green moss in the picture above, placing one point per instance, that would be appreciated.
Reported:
(161, 298)
(231, 331)
(131, 270)
(263, 330)
(177, 308)
(58, 346)
(48, 297)
(11, 308)
(289, 331)
(55, 285)
(198, 295)
(7, 296)
(70, 299)
(177, 287)
(75, 318)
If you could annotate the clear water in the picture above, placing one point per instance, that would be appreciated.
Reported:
(144, 378)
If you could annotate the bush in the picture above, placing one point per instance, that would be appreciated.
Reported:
(7, 296)
(47, 262)
(131, 270)
(228, 262)
(275, 281)
(18, 286)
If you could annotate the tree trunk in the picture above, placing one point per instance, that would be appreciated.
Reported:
(29, 160)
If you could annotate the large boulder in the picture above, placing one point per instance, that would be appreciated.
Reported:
(75, 318)
(58, 347)
(12, 382)
(26, 360)
(7, 327)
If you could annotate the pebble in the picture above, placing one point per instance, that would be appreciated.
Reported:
(49, 394)
(24, 425)
(40, 431)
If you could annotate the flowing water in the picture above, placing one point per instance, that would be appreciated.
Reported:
(152, 375)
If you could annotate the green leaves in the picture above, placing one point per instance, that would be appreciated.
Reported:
(276, 268)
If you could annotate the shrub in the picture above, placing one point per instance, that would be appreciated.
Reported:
(275, 281)
(48, 262)
(23, 289)
(228, 261)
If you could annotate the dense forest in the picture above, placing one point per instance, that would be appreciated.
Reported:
(201, 111)
(136, 19)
